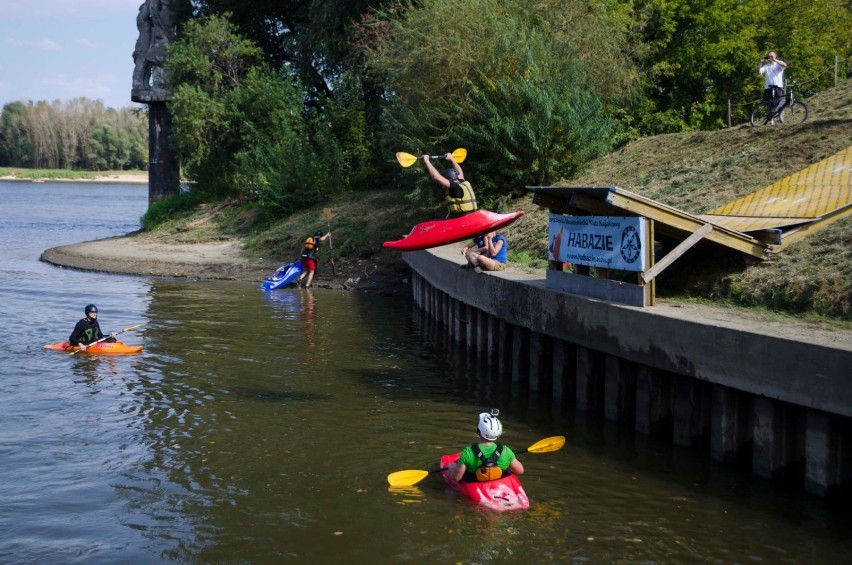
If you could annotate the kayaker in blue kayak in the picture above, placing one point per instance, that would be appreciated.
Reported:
(488, 460)
(309, 256)
(88, 330)
(460, 197)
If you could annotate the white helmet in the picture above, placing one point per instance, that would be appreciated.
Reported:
(489, 426)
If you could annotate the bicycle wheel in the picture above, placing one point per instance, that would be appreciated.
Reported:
(795, 113)
(760, 115)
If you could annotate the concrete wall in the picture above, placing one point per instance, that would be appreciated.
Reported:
(744, 395)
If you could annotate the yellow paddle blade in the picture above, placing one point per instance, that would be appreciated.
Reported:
(547, 444)
(406, 478)
(405, 159)
(133, 327)
(460, 154)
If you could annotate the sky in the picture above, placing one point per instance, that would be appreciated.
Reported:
(63, 49)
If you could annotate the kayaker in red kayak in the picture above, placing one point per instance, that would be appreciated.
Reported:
(488, 460)
(460, 197)
(88, 330)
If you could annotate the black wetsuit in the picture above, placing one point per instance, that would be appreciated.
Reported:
(86, 331)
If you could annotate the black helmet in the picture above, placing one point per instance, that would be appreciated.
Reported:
(318, 233)
(91, 308)
(450, 174)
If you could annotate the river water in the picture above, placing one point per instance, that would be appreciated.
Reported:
(260, 427)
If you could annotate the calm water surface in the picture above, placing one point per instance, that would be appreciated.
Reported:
(261, 427)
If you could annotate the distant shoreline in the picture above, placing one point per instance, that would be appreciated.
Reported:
(119, 178)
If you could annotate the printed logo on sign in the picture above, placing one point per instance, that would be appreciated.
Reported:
(631, 244)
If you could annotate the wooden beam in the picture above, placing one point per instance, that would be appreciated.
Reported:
(675, 253)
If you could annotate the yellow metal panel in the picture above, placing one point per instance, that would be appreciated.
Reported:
(747, 224)
(808, 194)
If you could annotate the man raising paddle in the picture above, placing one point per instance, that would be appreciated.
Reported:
(460, 197)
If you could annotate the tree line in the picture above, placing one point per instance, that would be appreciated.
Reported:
(74, 134)
(282, 102)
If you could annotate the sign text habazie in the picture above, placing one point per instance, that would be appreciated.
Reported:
(597, 241)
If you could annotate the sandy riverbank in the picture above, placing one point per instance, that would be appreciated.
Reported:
(142, 253)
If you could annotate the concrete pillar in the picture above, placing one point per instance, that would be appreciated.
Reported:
(459, 320)
(822, 453)
(730, 424)
(653, 401)
(492, 340)
(520, 361)
(504, 348)
(470, 330)
(587, 389)
(619, 390)
(539, 363)
(481, 333)
(163, 170)
(768, 452)
(564, 383)
(691, 415)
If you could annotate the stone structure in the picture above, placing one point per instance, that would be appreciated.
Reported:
(156, 24)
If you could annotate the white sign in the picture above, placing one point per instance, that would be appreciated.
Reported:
(597, 241)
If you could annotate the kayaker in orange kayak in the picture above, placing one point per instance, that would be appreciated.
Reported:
(488, 460)
(88, 330)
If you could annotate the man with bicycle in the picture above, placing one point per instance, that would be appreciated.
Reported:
(772, 68)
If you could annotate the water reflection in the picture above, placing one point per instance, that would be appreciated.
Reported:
(261, 427)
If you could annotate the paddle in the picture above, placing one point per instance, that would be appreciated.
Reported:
(326, 214)
(407, 159)
(412, 476)
(109, 336)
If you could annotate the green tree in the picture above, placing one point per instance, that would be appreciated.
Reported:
(241, 128)
(16, 146)
(698, 55)
(530, 86)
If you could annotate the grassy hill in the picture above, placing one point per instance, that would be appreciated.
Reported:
(694, 172)
(699, 171)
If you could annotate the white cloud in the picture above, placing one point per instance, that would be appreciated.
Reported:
(49, 45)
(41, 44)
(87, 43)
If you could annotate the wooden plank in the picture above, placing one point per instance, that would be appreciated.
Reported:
(675, 253)
(796, 234)
(688, 223)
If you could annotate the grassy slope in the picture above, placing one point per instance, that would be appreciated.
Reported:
(699, 171)
(691, 171)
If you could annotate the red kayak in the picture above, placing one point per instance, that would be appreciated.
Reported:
(101, 348)
(443, 232)
(505, 493)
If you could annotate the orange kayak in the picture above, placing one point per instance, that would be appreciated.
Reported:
(102, 348)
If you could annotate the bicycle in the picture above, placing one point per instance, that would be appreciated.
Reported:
(787, 110)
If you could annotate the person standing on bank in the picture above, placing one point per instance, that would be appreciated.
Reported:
(772, 68)
(487, 460)
(488, 253)
(309, 256)
(460, 197)
(88, 330)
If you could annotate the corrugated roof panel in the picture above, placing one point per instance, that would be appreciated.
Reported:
(810, 193)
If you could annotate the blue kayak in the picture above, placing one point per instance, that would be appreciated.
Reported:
(283, 276)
